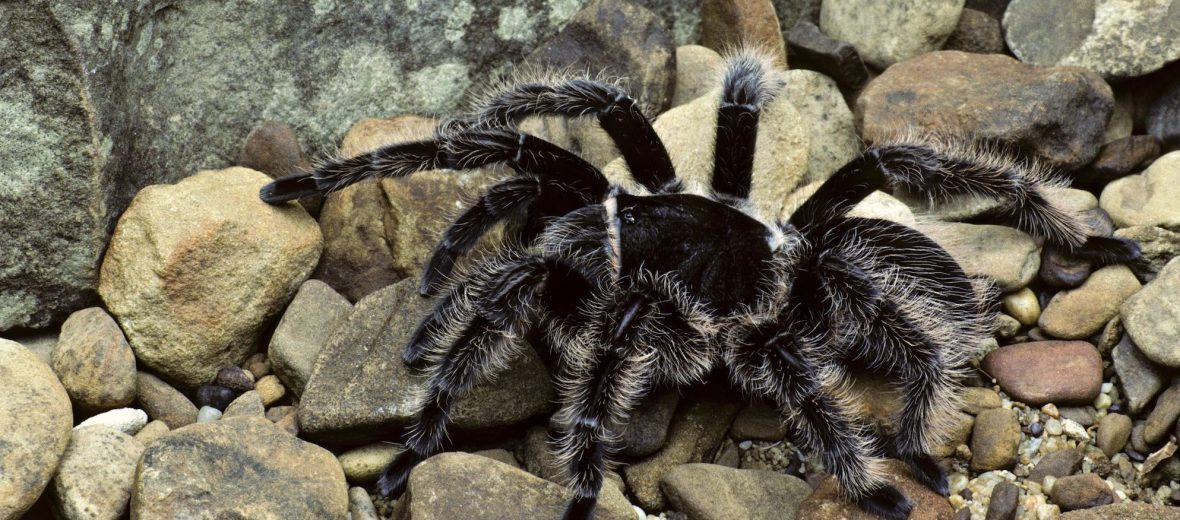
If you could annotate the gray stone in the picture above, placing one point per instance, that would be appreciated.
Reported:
(792, 12)
(828, 502)
(94, 361)
(1157, 245)
(1057, 464)
(1117, 159)
(994, 440)
(758, 422)
(163, 402)
(976, 32)
(96, 474)
(1082, 492)
(343, 405)
(890, 32)
(1163, 417)
(1151, 316)
(1083, 312)
(1006, 255)
(1002, 506)
(364, 465)
(833, 133)
(360, 506)
(1139, 377)
(36, 415)
(647, 425)
(698, 71)
(712, 492)
(1147, 199)
(308, 324)
(208, 414)
(1114, 38)
(1164, 112)
(811, 49)
(1128, 510)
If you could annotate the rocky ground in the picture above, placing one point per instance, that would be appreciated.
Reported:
(213, 356)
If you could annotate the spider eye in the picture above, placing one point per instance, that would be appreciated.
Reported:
(627, 216)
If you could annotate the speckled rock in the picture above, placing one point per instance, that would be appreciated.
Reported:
(308, 324)
(976, 400)
(976, 32)
(126, 420)
(1057, 464)
(1004, 500)
(890, 32)
(163, 402)
(248, 404)
(810, 49)
(235, 378)
(1082, 312)
(1157, 245)
(833, 133)
(187, 322)
(37, 418)
(994, 440)
(1117, 39)
(712, 492)
(827, 504)
(992, 97)
(1113, 433)
(96, 474)
(1081, 492)
(341, 404)
(1059, 372)
(243, 467)
(462, 485)
(94, 362)
(1147, 199)
(364, 465)
(151, 432)
(728, 24)
(1140, 378)
(1151, 316)
(1006, 255)
(698, 71)
(360, 506)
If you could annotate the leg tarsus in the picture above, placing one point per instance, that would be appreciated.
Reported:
(887, 502)
(393, 480)
(928, 472)
(580, 508)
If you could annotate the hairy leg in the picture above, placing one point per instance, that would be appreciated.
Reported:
(749, 85)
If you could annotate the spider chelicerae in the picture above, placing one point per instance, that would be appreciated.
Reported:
(661, 284)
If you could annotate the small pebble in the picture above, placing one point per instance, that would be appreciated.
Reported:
(215, 396)
(1023, 306)
(1102, 402)
(1050, 409)
(1036, 429)
(270, 389)
(235, 378)
(126, 420)
(208, 414)
(1053, 427)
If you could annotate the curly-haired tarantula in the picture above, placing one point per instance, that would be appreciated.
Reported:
(660, 285)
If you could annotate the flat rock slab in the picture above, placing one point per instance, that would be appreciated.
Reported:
(242, 467)
(712, 492)
(1040, 372)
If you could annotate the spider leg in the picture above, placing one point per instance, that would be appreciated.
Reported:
(749, 85)
(618, 114)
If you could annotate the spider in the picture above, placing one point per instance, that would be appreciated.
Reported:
(660, 284)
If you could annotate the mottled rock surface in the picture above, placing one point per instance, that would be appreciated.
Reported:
(96, 475)
(890, 32)
(1001, 253)
(163, 402)
(826, 503)
(994, 440)
(94, 362)
(712, 492)
(729, 24)
(1147, 199)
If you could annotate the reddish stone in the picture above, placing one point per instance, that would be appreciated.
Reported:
(1059, 372)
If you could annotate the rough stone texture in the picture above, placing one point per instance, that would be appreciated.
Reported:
(711, 492)
(195, 269)
(1152, 316)
(235, 378)
(1163, 116)
(826, 503)
(833, 133)
(163, 402)
(976, 32)
(1057, 464)
(993, 97)
(1082, 492)
(462, 485)
(364, 465)
(126, 420)
(1157, 245)
(94, 362)
(379, 232)
(648, 425)
(360, 506)
(1008, 256)
(891, 32)
(976, 400)
(96, 474)
(1139, 377)
(308, 324)
(248, 404)
(1113, 433)
(1163, 417)
(729, 24)
(36, 415)
(1116, 159)
(698, 71)
(1125, 510)
(1147, 199)
(811, 49)
(151, 432)
(361, 390)
(242, 467)
(1082, 312)
(1115, 38)
(792, 12)
(1058, 372)
(994, 440)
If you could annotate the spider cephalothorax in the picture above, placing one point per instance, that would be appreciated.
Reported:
(658, 286)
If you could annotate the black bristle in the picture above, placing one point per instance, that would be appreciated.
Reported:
(288, 188)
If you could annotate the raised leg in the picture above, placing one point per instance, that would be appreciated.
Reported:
(750, 84)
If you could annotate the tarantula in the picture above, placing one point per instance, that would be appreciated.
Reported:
(661, 284)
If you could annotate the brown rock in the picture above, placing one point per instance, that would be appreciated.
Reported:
(248, 404)
(1005, 497)
(712, 492)
(1057, 464)
(977, 32)
(758, 422)
(1113, 433)
(1082, 492)
(1059, 372)
(976, 400)
(1150, 316)
(1163, 416)
(163, 402)
(991, 96)
(235, 378)
(1125, 510)
(273, 148)
(994, 440)
(729, 24)
(1082, 312)
(826, 503)
(1147, 199)
(1117, 159)
(94, 361)
(647, 427)
(151, 432)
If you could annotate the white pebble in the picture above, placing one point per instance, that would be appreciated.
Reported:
(1102, 402)
(745, 445)
(1107, 387)
(126, 420)
(1074, 430)
(1053, 427)
(639, 513)
(208, 414)
(1047, 484)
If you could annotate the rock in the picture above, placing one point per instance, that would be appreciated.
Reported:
(994, 440)
(698, 71)
(891, 32)
(1082, 492)
(976, 400)
(342, 405)
(833, 133)
(215, 396)
(1137, 442)
(539, 458)
(364, 465)
(94, 362)
(976, 32)
(1113, 433)
(1150, 317)
(125, 420)
(1158, 246)
(1059, 372)
(1115, 39)
(275, 413)
(1005, 497)
(689, 132)
(826, 503)
(958, 433)
(1062, 270)
(463, 485)
(37, 419)
(208, 414)
(697, 430)
(1006, 327)
(993, 98)
(187, 322)
(1057, 464)
(40, 342)
(1117, 159)
(151, 432)
(289, 423)
(1023, 306)
(308, 323)
(96, 474)
(758, 422)
(360, 506)
(647, 427)
(1163, 416)
(163, 402)
(811, 49)
(273, 148)
(1147, 199)
(248, 404)
(500, 455)
(270, 390)
(711, 492)
(876, 205)
(1083, 312)
(729, 24)
(257, 365)
(1127, 510)
(1003, 254)
(379, 232)
(1140, 378)
(792, 12)
(254, 470)
(1163, 114)
(1083, 415)
(235, 378)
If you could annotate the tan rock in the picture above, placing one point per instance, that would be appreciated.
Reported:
(96, 474)
(729, 24)
(1147, 199)
(994, 440)
(94, 361)
(162, 402)
(1006, 255)
(698, 72)
(1083, 312)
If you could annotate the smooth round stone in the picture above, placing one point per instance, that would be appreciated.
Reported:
(994, 440)
(161, 401)
(1113, 433)
(235, 378)
(208, 414)
(697, 72)
(94, 361)
(1061, 372)
(1023, 306)
(1081, 492)
(709, 491)
(126, 420)
(1163, 417)
(1083, 312)
(152, 431)
(364, 465)
(215, 396)
(1147, 199)
(889, 32)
